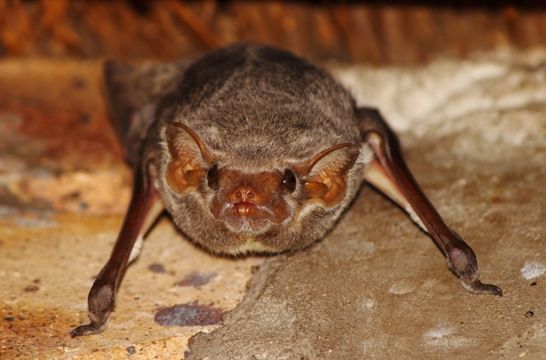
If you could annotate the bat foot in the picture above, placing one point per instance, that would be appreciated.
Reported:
(88, 329)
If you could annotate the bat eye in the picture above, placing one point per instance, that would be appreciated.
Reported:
(212, 177)
(289, 181)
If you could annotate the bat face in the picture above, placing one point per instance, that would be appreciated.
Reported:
(250, 204)
(234, 209)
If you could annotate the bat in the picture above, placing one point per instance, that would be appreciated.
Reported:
(252, 150)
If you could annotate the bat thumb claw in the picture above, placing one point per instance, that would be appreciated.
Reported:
(477, 287)
(88, 329)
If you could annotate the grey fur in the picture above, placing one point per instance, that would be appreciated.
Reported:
(257, 109)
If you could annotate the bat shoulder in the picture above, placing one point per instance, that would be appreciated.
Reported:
(133, 92)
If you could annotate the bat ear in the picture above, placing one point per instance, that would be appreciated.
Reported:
(326, 173)
(190, 157)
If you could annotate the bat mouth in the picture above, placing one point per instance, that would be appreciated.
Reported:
(245, 218)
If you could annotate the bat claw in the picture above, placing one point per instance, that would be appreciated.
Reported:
(477, 287)
(463, 263)
(88, 329)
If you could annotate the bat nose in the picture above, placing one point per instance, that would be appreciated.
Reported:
(244, 200)
(243, 194)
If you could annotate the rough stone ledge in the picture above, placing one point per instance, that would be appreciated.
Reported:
(474, 133)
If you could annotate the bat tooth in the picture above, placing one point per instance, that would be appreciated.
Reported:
(244, 209)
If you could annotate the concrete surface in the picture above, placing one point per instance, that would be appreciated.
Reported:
(474, 134)
(63, 192)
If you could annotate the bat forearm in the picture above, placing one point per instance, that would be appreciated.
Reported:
(390, 174)
(143, 210)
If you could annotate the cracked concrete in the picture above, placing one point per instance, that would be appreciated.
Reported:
(475, 135)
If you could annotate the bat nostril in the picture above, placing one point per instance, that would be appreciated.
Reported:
(249, 194)
(243, 193)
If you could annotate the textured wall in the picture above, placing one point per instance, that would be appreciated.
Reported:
(394, 32)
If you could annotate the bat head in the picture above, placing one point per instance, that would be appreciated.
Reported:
(254, 149)
(229, 208)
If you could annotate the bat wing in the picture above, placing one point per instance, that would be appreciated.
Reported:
(132, 93)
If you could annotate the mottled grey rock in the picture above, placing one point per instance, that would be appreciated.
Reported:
(475, 135)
